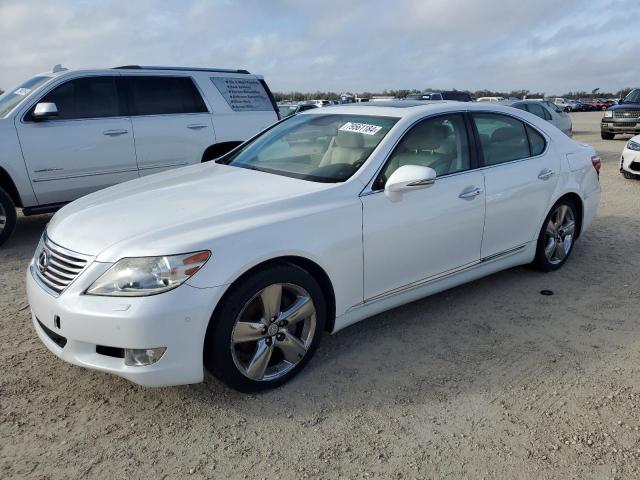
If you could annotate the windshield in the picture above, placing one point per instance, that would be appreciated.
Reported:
(320, 148)
(633, 96)
(9, 100)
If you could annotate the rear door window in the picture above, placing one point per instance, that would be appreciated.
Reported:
(538, 110)
(502, 138)
(87, 97)
(156, 95)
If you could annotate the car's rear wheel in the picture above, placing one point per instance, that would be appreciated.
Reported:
(607, 135)
(7, 216)
(266, 329)
(557, 236)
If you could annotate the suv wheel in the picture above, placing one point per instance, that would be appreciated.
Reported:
(557, 236)
(266, 329)
(607, 135)
(7, 216)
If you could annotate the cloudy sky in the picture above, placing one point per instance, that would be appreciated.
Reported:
(541, 45)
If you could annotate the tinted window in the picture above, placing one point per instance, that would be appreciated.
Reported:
(164, 95)
(459, 96)
(502, 138)
(440, 143)
(89, 97)
(521, 106)
(536, 141)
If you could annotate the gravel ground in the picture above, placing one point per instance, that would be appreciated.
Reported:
(489, 380)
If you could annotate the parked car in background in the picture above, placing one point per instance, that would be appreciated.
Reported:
(320, 103)
(622, 118)
(563, 104)
(333, 215)
(549, 112)
(491, 99)
(424, 96)
(630, 158)
(293, 108)
(455, 95)
(71, 132)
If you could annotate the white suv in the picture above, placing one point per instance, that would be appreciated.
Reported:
(67, 133)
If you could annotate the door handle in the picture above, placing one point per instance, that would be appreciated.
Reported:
(115, 133)
(546, 174)
(471, 192)
(196, 126)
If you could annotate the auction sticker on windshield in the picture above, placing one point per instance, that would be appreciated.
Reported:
(363, 128)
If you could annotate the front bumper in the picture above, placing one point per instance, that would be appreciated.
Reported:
(612, 125)
(630, 161)
(176, 320)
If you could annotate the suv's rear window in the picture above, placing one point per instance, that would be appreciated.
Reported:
(243, 94)
(155, 95)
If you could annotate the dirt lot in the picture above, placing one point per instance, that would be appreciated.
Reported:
(490, 380)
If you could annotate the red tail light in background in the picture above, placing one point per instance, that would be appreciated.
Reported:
(596, 161)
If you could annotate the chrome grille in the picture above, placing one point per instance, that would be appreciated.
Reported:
(58, 267)
(626, 113)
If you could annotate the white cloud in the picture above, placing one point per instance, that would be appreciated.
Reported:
(332, 45)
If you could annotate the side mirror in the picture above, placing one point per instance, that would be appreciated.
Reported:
(409, 177)
(44, 111)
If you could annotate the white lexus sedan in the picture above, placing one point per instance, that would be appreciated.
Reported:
(326, 218)
(630, 158)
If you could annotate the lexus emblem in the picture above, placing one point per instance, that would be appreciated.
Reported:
(43, 261)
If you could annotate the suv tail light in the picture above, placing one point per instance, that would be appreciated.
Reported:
(596, 161)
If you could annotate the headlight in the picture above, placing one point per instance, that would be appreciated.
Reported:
(631, 145)
(608, 114)
(138, 277)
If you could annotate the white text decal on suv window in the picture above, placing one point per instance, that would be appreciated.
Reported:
(243, 94)
(363, 128)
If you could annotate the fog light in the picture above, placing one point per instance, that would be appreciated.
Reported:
(138, 357)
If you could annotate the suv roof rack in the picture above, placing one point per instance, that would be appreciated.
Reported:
(189, 69)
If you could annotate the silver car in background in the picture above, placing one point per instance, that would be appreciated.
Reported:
(549, 112)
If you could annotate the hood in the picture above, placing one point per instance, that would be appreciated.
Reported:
(625, 106)
(161, 214)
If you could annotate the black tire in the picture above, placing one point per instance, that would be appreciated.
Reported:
(628, 175)
(218, 357)
(8, 217)
(607, 135)
(541, 262)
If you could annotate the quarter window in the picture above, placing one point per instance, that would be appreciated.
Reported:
(88, 97)
(156, 95)
(538, 110)
(440, 143)
(504, 139)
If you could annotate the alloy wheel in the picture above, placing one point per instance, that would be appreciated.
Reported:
(273, 332)
(559, 234)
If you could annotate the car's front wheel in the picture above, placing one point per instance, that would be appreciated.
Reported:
(628, 175)
(7, 216)
(557, 236)
(266, 328)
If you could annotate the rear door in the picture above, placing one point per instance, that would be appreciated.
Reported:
(521, 173)
(88, 146)
(171, 123)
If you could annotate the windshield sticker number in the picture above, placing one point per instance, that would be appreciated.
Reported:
(22, 91)
(363, 128)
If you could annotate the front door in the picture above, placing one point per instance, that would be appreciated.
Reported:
(431, 231)
(88, 146)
